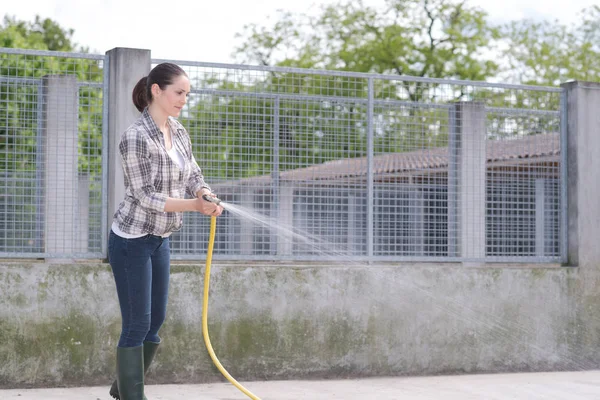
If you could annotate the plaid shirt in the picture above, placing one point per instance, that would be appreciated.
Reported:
(151, 176)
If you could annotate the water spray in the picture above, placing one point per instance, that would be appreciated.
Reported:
(211, 242)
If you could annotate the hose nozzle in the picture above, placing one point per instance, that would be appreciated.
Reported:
(211, 199)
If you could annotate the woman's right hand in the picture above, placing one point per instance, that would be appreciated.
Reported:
(208, 208)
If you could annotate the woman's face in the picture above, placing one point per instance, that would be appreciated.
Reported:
(172, 99)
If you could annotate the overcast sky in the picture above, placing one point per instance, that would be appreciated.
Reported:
(204, 30)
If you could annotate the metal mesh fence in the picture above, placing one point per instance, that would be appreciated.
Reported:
(51, 120)
(375, 167)
(361, 166)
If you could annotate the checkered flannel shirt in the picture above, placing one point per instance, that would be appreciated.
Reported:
(151, 176)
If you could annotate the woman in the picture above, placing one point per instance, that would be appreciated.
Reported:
(158, 167)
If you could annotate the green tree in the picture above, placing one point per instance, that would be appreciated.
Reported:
(549, 53)
(428, 38)
(19, 96)
(41, 34)
(425, 38)
(545, 53)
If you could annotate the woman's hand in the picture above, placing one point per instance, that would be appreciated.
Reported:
(207, 207)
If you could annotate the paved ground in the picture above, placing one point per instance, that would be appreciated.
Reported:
(556, 385)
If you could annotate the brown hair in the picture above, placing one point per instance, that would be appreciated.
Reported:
(163, 75)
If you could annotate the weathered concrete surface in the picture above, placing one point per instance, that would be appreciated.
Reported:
(542, 386)
(59, 324)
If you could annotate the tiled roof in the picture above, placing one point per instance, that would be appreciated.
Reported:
(528, 147)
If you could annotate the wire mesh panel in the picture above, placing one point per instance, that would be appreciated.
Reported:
(20, 195)
(524, 189)
(51, 111)
(411, 131)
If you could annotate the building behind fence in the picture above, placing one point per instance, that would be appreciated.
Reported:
(367, 167)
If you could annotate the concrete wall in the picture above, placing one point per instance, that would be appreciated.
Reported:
(60, 323)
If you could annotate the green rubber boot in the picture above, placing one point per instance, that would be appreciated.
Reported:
(150, 349)
(130, 373)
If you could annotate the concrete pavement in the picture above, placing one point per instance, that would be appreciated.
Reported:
(552, 385)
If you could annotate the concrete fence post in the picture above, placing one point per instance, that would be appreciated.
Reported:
(285, 245)
(583, 190)
(246, 227)
(467, 176)
(61, 183)
(126, 68)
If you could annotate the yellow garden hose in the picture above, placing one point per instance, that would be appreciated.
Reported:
(211, 242)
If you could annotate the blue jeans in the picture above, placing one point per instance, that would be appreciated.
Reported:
(141, 269)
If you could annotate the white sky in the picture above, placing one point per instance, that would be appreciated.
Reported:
(204, 30)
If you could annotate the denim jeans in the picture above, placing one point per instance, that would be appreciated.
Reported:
(141, 269)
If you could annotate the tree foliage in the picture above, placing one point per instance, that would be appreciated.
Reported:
(20, 93)
(428, 38)
(41, 34)
(424, 38)
(549, 53)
